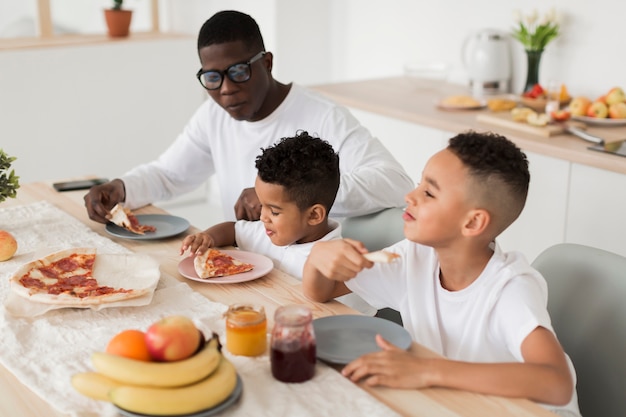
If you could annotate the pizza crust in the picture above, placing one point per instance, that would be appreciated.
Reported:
(138, 273)
(121, 217)
(381, 256)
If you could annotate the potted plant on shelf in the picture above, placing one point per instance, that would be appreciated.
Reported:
(9, 182)
(118, 19)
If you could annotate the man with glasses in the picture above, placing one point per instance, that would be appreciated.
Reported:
(250, 110)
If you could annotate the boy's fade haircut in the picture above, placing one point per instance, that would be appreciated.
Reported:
(500, 172)
(307, 167)
(231, 26)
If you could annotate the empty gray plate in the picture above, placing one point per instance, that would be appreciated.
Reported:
(343, 338)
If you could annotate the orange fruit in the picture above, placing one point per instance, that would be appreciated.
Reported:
(130, 344)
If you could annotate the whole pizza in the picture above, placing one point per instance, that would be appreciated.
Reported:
(79, 277)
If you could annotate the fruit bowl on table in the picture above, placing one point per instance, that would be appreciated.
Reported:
(539, 104)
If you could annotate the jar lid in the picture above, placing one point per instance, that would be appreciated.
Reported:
(293, 315)
(245, 314)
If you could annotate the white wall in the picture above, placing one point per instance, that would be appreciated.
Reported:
(70, 111)
(59, 100)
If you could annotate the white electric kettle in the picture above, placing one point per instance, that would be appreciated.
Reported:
(487, 58)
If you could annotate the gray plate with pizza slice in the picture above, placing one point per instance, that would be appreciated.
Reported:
(166, 226)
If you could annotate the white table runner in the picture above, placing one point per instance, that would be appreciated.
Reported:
(43, 352)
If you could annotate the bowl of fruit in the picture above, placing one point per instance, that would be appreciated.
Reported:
(537, 97)
(606, 110)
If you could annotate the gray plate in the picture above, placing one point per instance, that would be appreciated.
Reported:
(343, 338)
(166, 226)
(204, 413)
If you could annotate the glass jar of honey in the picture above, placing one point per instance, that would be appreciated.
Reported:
(246, 330)
(293, 350)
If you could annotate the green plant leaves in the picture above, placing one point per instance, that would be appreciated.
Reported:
(9, 182)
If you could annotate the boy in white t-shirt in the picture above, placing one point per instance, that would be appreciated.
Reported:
(458, 294)
(297, 182)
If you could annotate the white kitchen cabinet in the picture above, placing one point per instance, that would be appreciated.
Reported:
(411, 144)
(597, 209)
(542, 222)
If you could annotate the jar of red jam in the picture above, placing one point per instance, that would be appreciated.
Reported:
(292, 353)
(246, 330)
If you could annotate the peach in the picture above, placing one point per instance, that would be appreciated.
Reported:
(615, 95)
(598, 109)
(8, 245)
(172, 338)
(617, 110)
(579, 106)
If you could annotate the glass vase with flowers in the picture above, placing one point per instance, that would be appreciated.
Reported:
(535, 34)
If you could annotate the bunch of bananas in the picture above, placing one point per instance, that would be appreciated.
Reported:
(161, 388)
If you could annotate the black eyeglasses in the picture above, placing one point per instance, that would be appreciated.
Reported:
(237, 73)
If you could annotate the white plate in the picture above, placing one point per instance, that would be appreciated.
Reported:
(166, 226)
(600, 122)
(343, 338)
(479, 105)
(232, 398)
(262, 266)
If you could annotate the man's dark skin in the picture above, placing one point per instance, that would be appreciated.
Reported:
(251, 100)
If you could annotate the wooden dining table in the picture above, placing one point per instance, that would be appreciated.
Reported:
(274, 290)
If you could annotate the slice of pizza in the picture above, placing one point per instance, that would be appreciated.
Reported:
(123, 217)
(68, 277)
(214, 263)
(382, 256)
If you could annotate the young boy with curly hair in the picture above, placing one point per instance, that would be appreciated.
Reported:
(297, 182)
(483, 310)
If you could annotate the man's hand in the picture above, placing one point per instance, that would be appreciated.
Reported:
(248, 206)
(100, 199)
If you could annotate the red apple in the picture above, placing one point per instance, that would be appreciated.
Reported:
(172, 338)
(8, 245)
(598, 109)
(617, 110)
(615, 95)
(579, 106)
(560, 115)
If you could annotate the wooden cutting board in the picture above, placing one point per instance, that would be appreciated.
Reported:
(504, 119)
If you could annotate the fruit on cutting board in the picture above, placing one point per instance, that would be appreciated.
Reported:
(172, 338)
(538, 119)
(8, 245)
(560, 115)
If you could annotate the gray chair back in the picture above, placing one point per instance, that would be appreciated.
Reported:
(587, 305)
(377, 230)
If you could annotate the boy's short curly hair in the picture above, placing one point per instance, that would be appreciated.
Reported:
(307, 167)
(500, 172)
(231, 26)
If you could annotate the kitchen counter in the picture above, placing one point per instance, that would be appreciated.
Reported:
(414, 100)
